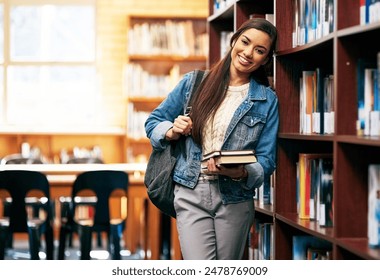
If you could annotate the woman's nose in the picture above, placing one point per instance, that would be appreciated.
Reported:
(248, 53)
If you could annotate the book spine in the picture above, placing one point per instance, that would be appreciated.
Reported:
(374, 205)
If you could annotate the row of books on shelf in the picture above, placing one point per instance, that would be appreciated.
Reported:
(314, 193)
(304, 247)
(220, 5)
(141, 83)
(368, 72)
(308, 247)
(265, 194)
(136, 122)
(260, 241)
(312, 20)
(369, 11)
(316, 102)
(167, 38)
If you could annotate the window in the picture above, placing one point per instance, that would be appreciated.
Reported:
(48, 62)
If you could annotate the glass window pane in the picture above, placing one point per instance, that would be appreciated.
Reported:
(47, 95)
(52, 33)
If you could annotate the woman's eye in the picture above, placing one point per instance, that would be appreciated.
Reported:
(260, 51)
(245, 42)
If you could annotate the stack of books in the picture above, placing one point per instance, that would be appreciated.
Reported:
(230, 158)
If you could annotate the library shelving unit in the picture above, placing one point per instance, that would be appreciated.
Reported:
(338, 54)
(158, 66)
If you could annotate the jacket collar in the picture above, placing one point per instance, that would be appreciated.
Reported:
(257, 91)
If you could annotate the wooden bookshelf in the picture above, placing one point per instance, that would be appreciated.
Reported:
(158, 62)
(341, 50)
(337, 53)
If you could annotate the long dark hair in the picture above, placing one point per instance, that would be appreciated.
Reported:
(213, 89)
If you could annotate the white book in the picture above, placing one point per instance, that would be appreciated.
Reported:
(368, 98)
(374, 205)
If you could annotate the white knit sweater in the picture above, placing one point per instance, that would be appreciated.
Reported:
(215, 129)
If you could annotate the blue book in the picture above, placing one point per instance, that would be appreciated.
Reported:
(362, 64)
(303, 243)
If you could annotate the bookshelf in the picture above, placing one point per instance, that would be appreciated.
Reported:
(160, 49)
(337, 53)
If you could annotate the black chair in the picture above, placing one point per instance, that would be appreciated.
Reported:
(20, 159)
(27, 210)
(88, 211)
(77, 160)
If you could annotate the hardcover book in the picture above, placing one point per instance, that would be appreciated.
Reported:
(305, 190)
(326, 193)
(373, 227)
(231, 157)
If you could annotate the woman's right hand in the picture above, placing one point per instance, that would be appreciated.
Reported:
(182, 126)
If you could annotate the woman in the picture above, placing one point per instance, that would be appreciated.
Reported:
(234, 109)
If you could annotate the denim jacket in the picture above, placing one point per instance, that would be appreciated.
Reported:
(254, 125)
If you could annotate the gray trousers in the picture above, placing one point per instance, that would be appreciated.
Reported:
(209, 230)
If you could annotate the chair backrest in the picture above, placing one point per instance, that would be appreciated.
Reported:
(19, 183)
(20, 159)
(102, 183)
(85, 160)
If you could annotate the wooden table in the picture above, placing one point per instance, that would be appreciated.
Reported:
(143, 223)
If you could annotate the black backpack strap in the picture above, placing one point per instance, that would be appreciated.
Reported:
(198, 79)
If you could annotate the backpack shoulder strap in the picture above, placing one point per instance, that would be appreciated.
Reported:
(199, 74)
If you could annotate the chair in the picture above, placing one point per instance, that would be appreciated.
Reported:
(20, 159)
(27, 210)
(88, 211)
(85, 160)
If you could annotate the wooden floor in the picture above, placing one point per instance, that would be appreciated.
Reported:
(20, 251)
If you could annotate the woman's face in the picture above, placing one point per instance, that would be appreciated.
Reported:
(250, 51)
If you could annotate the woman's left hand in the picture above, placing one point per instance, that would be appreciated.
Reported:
(237, 171)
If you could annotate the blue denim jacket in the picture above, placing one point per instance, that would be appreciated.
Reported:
(253, 126)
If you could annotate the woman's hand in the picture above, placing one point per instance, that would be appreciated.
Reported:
(235, 172)
(182, 126)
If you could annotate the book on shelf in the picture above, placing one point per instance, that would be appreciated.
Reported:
(305, 247)
(225, 37)
(316, 102)
(266, 191)
(369, 11)
(309, 183)
(261, 241)
(307, 92)
(318, 254)
(374, 205)
(230, 157)
(328, 105)
(268, 17)
(295, 27)
(368, 122)
(325, 216)
(314, 189)
(312, 20)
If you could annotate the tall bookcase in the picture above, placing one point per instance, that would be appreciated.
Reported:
(160, 50)
(338, 54)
